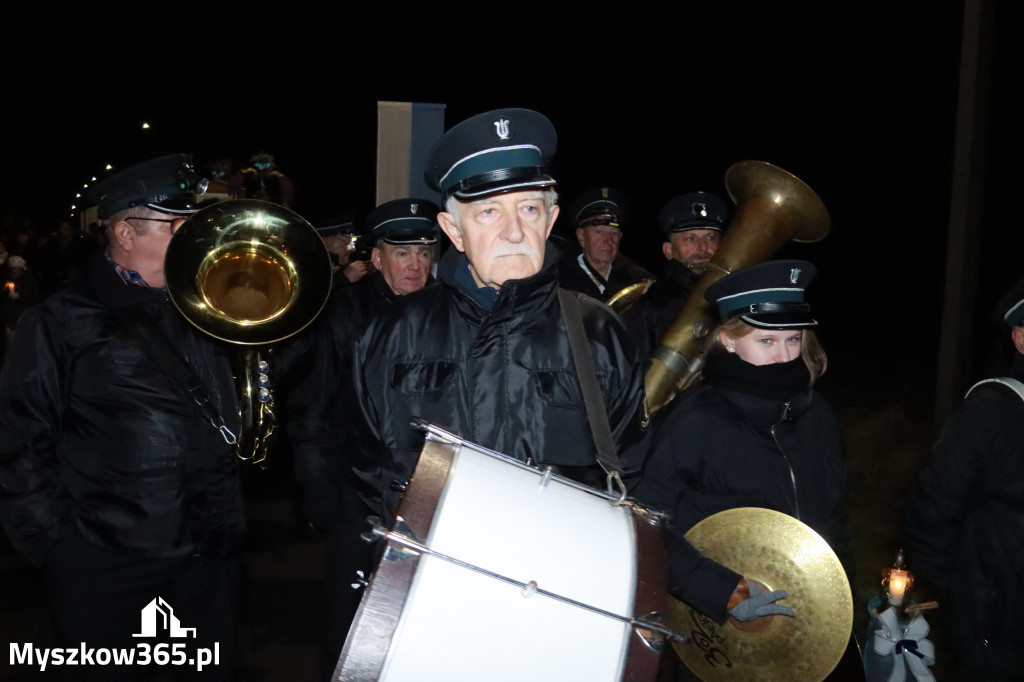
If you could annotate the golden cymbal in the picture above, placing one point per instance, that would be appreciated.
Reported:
(779, 552)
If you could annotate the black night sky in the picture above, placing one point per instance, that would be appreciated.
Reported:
(858, 99)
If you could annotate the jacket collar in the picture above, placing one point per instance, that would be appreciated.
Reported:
(380, 285)
(518, 297)
(113, 291)
(680, 275)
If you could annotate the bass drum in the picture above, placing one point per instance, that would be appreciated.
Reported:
(510, 534)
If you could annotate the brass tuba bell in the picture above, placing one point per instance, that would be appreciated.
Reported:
(772, 207)
(252, 273)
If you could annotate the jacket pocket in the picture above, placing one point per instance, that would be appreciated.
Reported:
(422, 378)
(560, 388)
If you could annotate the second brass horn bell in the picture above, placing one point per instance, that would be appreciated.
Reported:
(253, 273)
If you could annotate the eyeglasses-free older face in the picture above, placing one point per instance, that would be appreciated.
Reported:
(503, 235)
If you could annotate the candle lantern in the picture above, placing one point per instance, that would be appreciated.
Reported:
(899, 647)
(897, 580)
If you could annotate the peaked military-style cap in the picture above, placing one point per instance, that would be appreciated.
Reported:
(167, 184)
(337, 226)
(768, 295)
(599, 206)
(404, 221)
(694, 211)
(506, 150)
(1010, 308)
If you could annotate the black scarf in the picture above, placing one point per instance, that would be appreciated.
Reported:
(464, 280)
(777, 381)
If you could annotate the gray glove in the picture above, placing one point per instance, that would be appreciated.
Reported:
(761, 603)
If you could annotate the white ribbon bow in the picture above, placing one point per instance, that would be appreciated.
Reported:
(911, 650)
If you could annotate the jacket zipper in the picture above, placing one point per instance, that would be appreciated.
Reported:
(789, 465)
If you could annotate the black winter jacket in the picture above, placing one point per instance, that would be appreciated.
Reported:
(651, 316)
(714, 449)
(502, 378)
(965, 528)
(95, 439)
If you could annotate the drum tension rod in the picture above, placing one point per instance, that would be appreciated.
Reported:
(529, 588)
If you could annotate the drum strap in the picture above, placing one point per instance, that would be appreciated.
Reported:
(597, 416)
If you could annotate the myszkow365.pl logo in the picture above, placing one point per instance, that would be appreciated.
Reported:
(158, 620)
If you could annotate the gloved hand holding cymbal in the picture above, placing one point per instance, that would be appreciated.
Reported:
(749, 602)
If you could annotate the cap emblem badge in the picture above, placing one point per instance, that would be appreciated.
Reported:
(701, 210)
(604, 192)
(794, 275)
(413, 208)
(502, 127)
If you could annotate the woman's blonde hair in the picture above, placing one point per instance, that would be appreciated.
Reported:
(810, 348)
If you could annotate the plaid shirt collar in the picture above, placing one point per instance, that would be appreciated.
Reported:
(128, 276)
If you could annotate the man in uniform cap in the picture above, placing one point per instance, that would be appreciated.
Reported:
(113, 478)
(599, 270)
(338, 236)
(404, 232)
(486, 352)
(693, 224)
(965, 521)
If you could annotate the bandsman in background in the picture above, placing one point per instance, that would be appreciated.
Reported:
(965, 521)
(693, 224)
(599, 270)
(338, 235)
(404, 233)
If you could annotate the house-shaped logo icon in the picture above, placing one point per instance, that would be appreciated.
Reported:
(158, 618)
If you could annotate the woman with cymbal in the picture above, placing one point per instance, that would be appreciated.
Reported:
(751, 433)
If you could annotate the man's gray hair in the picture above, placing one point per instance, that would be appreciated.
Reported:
(141, 228)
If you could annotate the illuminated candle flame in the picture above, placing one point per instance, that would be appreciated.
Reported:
(898, 584)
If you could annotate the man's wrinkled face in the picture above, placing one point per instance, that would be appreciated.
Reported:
(405, 267)
(503, 236)
(692, 248)
(600, 244)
